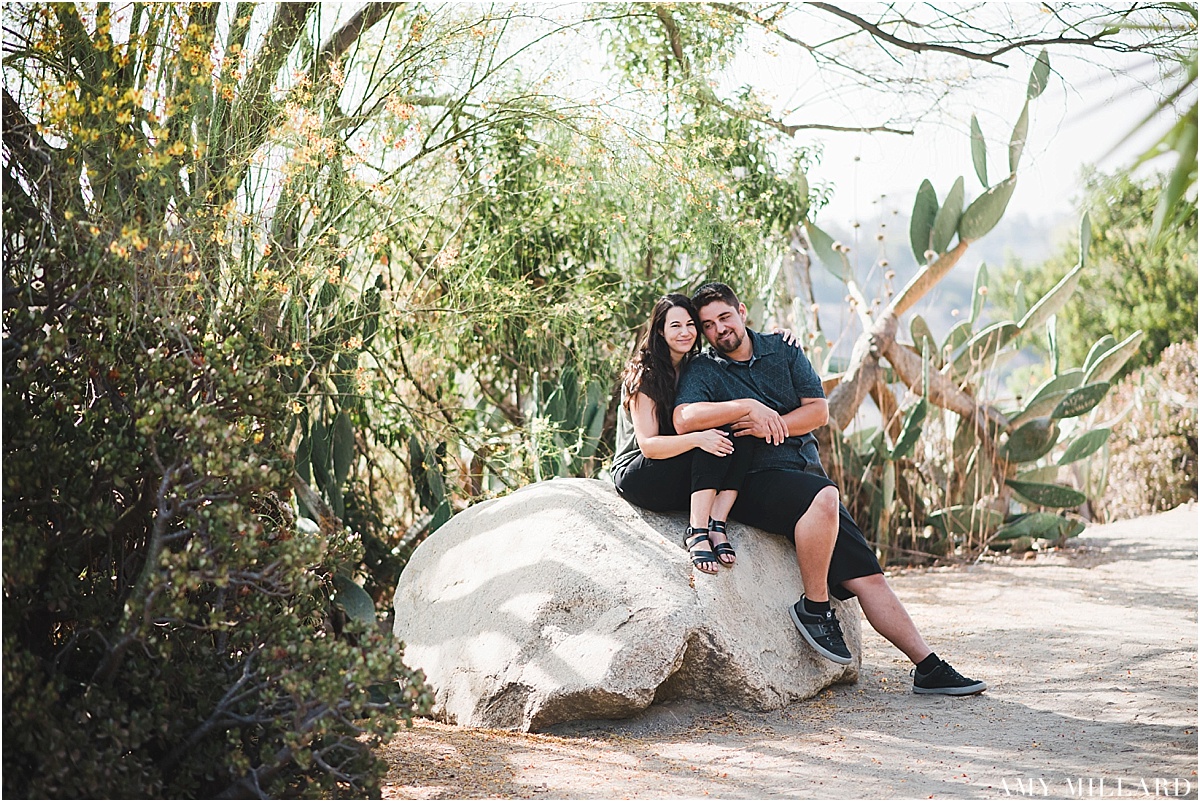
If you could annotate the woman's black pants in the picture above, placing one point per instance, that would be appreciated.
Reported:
(667, 485)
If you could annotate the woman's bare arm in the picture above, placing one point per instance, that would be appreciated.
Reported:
(665, 446)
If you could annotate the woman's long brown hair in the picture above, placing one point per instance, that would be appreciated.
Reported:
(650, 372)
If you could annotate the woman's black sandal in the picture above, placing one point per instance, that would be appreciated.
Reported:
(723, 549)
(692, 538)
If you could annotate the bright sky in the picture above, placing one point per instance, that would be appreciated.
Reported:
(1077, 121)
(1082, 115)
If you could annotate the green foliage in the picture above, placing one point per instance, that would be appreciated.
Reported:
(983, 213)
(1180, 138)
(924, 215)
(1048, 495)
(825, 248)
(163, 617)
(923, 339)
(568, 425)
(170, 628)
(973, 483)
(1080, 400)
(440, 258)
(1047, 396)
(1132, 281)
(253, 274)
(968, 478)
(1046, 525)
(978, 151)
(1085, 446)
(965, 519)
(1110, 362)
(911, 431)
(981, 349)
(1039, 77)
(1031, 440)
(680, 41)
(945, 224)
(1049, 305)
(978, 293)
(1152, 449)
(1016, 145)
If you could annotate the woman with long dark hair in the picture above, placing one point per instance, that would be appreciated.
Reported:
(656, 468)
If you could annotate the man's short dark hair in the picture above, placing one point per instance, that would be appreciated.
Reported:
(712, 292)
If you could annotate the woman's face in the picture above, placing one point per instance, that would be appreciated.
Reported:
(679, 331)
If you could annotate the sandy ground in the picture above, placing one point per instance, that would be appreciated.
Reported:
(1090, 653)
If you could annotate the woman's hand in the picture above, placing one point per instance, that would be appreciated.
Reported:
(714, 441)
(790, 337)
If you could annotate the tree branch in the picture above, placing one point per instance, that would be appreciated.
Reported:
(862, 374)
(41, 165)
(166, 511)
(217, 718)
(340, 40)
(254, 102)
(673, 38)
(985, 56)
(706, 95)
(943, 392)
(766, 24)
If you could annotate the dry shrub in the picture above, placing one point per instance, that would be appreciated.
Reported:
(1153, 445)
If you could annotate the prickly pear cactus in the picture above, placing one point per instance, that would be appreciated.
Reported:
(1009, 474)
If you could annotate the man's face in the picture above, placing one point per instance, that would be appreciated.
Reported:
(724, 325)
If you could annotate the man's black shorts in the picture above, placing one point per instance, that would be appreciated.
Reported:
(775, 501)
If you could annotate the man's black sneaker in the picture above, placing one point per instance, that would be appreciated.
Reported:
(822, 631)
(945, 680)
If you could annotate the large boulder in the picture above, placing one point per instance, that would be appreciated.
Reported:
(562, 601)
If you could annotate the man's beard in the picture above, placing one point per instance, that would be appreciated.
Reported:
(730, 344)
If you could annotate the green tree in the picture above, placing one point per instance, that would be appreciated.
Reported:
(1133, 281)
(1179, 139)
(170, 627)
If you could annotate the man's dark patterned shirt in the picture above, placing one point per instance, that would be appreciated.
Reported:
(779, 375)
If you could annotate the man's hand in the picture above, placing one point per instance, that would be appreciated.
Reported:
(762, 421)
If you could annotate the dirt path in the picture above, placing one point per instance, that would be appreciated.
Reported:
(1090, 655)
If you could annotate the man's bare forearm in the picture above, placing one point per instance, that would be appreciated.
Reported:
(708, 415)
(813, 413)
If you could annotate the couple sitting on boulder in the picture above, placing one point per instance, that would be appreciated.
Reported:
(729, 432)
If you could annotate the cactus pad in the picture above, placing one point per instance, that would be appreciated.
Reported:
(985, 211)
(1085, 446)
(1047, 495)
(946, 221)
(1107, 365)
(920, 228)
(1031, 440)
(1052, 301)
(965, 519)
(1080, 401)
